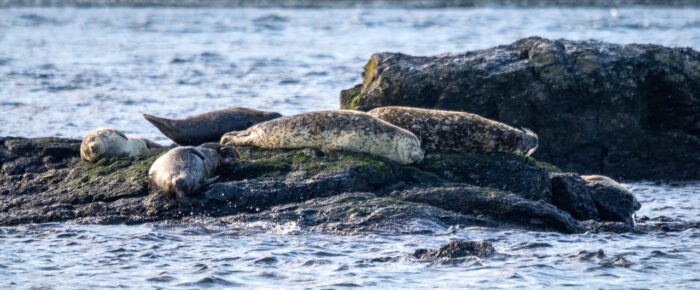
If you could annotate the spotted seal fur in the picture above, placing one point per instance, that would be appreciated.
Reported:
(332, 130)
(453, 132)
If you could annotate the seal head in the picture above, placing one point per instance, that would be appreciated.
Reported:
(332, 130)
(183, 171)
(106, 142)
(209, 127)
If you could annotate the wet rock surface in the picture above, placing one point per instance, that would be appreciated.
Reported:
(458, 249)
(43, 180)
(570, 193)
(614, 202)
(625, 111)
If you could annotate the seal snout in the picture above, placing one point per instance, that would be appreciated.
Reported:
(226, 139)
(182, 187)
(230, 138)
(96, 148)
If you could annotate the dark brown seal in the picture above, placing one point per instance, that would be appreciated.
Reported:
(182, 171)
(209, 127)
(454, 132)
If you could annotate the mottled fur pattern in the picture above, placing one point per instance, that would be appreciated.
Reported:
(104, 142)
(183, 171)
(332, 130)
(453, 132)
(209, 127)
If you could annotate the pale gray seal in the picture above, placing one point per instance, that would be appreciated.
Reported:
(104, 142)
(453, 132)
(209, 127)
(182, 171)
(333, 130)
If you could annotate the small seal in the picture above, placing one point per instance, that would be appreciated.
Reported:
(332, 130)
(104, 142)
(209, 127)
(453, 132)
(182, 171)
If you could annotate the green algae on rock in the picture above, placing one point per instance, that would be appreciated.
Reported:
(341, 192)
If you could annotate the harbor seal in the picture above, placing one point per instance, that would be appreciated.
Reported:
(454, 132)
(182, 171)
(333, 130)
(209, 127)
(105, 142)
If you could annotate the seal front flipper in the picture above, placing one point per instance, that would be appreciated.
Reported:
(164, 125)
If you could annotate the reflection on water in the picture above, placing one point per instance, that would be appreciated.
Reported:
(66, 71)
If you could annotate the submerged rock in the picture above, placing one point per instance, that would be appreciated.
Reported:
(458, 249)
(627, 111)
(43, 180)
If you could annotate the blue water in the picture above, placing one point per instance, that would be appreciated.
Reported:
(66, 71)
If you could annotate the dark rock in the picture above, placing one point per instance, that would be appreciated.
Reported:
(498, 204)
(570, 193)
(458, 249)
(340, 192)
(359, 213)
(626, 111)
(613, 201)
(521, 175)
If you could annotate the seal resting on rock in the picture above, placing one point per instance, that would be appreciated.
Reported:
(209, 127)
(102, 143)
(332, 130)
(182, 171)
(453, 132)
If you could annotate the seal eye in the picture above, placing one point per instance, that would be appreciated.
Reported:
(250, 123)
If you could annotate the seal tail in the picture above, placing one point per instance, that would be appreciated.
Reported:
(164, 125)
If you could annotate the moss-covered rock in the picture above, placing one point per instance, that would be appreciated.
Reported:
(263, 183)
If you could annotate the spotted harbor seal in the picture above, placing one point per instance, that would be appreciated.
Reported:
(105, 142)
(333, 130)
(453, 132)
(182, 171)
(209, 127)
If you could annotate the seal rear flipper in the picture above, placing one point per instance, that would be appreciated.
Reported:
(152, 145)
(164, 125)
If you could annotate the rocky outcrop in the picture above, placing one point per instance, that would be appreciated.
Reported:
(570, 193)
(458, 249)
(614, 202)
(626, 111)
(43, 180)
